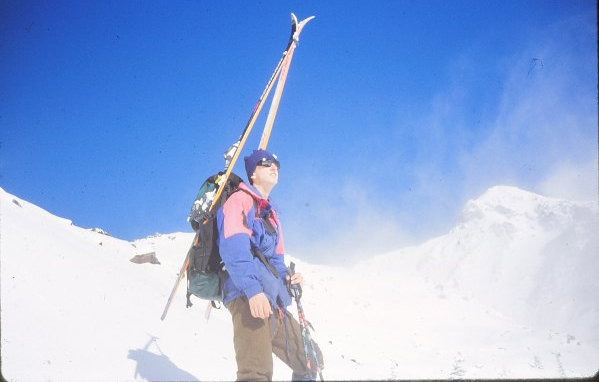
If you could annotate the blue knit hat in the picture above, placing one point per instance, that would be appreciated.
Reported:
(253, 159)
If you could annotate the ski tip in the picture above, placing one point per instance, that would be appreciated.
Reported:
(303, 22)
(296, 28)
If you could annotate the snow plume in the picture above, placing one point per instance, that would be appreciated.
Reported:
(574, 181)
(545, 124)
(343, 224)
(533, 125)
(528, 119)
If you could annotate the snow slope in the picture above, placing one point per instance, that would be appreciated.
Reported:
(508, 292)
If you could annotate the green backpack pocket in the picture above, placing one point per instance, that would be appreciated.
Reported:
(205, 285)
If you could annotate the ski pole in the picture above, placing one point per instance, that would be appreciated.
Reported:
(296, 292)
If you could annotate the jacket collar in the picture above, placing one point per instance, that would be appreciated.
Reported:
(262, 203)
(253, 191)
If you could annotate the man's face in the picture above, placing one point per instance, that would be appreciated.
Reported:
(266, 173)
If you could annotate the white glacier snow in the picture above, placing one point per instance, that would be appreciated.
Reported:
(509, 292)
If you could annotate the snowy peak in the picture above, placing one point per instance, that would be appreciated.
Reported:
(518, 250)
(504, 202)
(506, 205)
(509, 195)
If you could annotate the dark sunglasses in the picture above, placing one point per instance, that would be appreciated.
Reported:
(264, 162)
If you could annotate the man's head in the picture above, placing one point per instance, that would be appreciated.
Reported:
(262, 166)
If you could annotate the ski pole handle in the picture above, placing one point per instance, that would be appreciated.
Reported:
(295, 290)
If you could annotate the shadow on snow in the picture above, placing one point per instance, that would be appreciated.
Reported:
(154, 367)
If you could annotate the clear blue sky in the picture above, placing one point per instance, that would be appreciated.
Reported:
(394, 114)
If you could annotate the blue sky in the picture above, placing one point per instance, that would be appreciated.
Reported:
(394, 114)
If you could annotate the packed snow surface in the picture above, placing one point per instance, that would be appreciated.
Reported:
(509, 292)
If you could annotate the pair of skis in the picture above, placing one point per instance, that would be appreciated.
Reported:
(232, 154)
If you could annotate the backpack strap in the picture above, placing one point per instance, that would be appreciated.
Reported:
(265, 261)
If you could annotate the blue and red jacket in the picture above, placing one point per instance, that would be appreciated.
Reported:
(242, 227)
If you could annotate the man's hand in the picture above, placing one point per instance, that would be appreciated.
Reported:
(296, 279)
(260, 306)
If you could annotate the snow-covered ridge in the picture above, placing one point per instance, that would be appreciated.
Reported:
(504, 204)
(509, 243)
(6, 198)
(509, 292)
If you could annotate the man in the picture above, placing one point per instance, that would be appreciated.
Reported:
(255, 286)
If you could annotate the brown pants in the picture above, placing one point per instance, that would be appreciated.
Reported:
(255, 340)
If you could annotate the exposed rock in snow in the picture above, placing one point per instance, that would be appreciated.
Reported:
(100, 231)
(145, 258)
